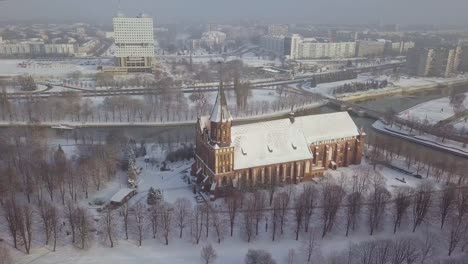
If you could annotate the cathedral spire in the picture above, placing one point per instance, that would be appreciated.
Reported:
(220, 113)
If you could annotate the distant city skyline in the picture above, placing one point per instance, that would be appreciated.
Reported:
(315, 11)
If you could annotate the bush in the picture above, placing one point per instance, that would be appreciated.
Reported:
(184, 153)
(259, 257)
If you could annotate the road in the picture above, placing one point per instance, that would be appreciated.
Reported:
(263, 84)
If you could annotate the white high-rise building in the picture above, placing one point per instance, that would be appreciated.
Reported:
(134, 41)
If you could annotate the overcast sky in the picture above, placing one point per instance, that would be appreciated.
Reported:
(316, 11)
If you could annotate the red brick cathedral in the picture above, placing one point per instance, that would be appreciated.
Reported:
(288, 150)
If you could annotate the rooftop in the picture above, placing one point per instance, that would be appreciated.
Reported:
(281, 141)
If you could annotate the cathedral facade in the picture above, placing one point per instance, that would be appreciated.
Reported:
(289, 150)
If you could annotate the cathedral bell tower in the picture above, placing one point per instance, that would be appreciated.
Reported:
(221, 120)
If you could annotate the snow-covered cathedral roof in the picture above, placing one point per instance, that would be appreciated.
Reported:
(281, 141)
(220, 112)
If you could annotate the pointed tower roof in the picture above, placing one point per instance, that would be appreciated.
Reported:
(220, 111)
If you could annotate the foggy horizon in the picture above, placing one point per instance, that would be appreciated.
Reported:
(316, 11)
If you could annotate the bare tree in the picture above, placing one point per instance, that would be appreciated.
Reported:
(44, 209)
(83, 225)
(427, 246)
(206, 217)
(24, 220)
(125, 216)
(208, 254)
(360, 179)
(219, 225)
(275, 215)
(47, 178)
(54, 216)
(182, 212)
(310, 243)
(166, 224)
(11, 209)
(353, 210)
(383, 251)
(401, 204)
(376, 207)
(248, 222)
(405, 250)
(421, 203)
(462, 203)
(196, 225)
(299, 213)
(332, 195)
(139, 221)
(455, 234)
(109, 229)
(60, 171)
(233, 203)
(364, 252)
(70, 216)
(309, 196)
(446, 202)
(283, 199)
(154, 217)
(260, 204)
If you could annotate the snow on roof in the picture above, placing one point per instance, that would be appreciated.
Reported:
(327, 126)
(220, 111)
(268, 143)
(204, 122)
(121, 194)
(280, 141)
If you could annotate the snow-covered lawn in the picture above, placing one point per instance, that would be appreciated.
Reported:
(232, 249)
(433, 111)
(326, 89)
(36, 68)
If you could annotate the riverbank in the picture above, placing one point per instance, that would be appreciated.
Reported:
(428, 140)
(64, 125)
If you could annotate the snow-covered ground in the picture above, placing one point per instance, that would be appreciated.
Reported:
(46, 68)
(231, 250)
(433, 111)
(326, 89)
(248, 59)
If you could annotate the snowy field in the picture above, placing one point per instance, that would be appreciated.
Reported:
(248, 59)
(327, 89)
(46, 68)
(232, 249)
(433, 111)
